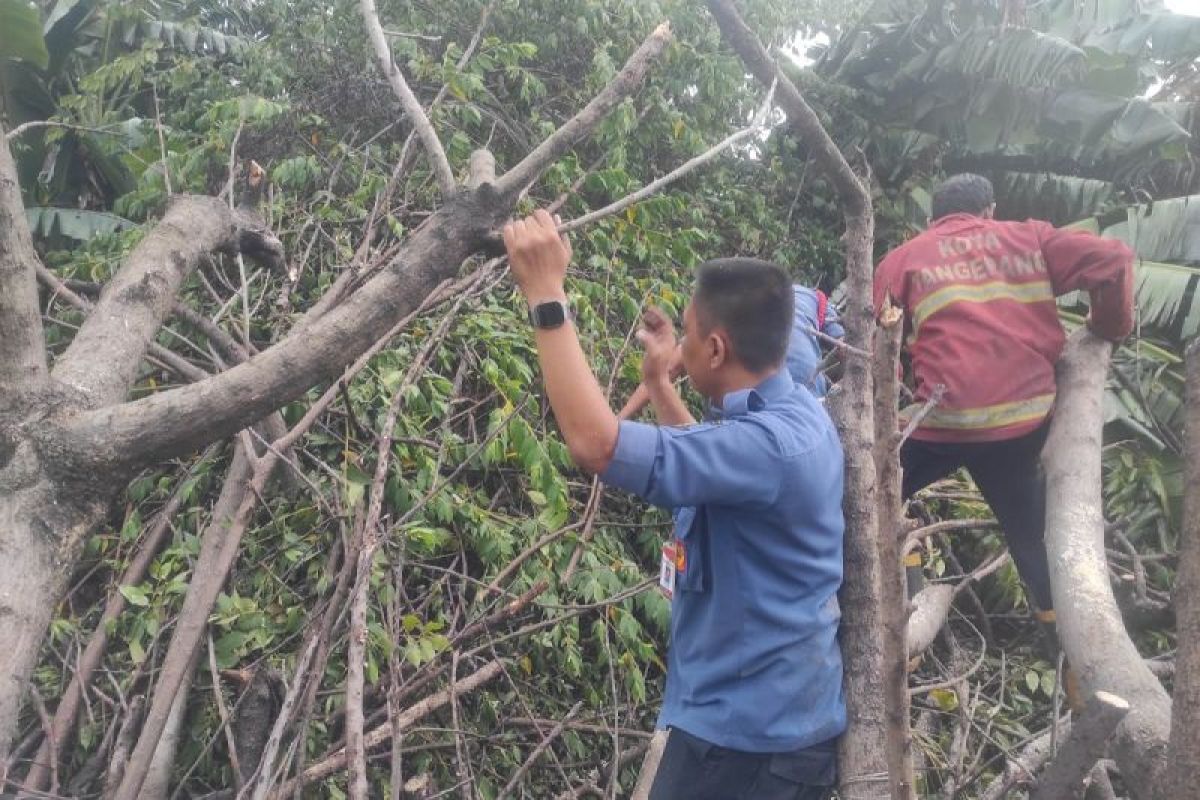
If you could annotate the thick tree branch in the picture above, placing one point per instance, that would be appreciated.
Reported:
(103, 359)
(1185, 718)
(1064, 778)
(533, 165)
(886, 367)
(22, 344)
(179, 420)
(1089, 621)
(408, 100)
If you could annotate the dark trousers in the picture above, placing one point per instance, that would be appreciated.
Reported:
(694, 769)
(1010, 476)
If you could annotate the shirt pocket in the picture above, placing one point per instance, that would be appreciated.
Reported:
(691, 537)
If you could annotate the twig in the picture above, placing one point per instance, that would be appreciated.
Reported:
(916, 535)
(406, 35)
(408, 100)
(537, 752)
(838, 343)
(266, 771)
(49, 123)
(162, 141)
(223, 712)
(922, 412)
(757, 125)
(48, 728)
(337, 760)
(529, 168)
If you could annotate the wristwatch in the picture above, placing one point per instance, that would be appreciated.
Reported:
(549, 315)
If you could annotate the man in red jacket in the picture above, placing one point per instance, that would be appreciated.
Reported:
(978, 296)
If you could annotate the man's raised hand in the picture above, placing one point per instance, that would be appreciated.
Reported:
(657, 336)
(538, 255)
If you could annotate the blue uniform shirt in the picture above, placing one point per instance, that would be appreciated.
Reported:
(804, 350)
(753, 662)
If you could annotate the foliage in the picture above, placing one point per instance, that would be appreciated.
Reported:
(174, 86)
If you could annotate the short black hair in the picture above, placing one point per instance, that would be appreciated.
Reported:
(965, 193)
(752, 300)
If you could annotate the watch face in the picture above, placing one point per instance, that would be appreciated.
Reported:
(549, 315)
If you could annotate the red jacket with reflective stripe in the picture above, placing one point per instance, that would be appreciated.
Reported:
(978, 296)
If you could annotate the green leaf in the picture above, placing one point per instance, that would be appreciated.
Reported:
(135, 595)
(73, 223)
(22, 39)
(946, 699)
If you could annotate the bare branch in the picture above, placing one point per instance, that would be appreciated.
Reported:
(482, 169)
(22, 344)
(554, 733)
(850, 189)
(1020, 770)
(582, 124)
(408, 100)
(1064, 778)
(49, 123)
(758, 125)
(337, 760)
(915, 420)
(650, 766)
(102, 360)
(1089, 622)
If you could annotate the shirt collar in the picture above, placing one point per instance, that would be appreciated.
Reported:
(957, 222)
(743, 401)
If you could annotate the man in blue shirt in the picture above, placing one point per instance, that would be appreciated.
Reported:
(754, 680)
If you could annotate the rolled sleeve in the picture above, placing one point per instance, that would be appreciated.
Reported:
(633, 461)
(731, 462)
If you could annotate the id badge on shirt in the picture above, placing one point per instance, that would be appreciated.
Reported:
(674, 562)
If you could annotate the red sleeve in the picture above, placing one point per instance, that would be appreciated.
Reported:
(1078, 260)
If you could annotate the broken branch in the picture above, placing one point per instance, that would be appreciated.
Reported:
(408, 101)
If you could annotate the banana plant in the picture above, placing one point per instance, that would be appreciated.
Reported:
(90, 64)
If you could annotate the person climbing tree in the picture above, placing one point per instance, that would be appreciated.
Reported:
(813, 315)
(753, 700)
(978, 296)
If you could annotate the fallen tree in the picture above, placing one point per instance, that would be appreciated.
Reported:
(1090, 626)
(70, 438)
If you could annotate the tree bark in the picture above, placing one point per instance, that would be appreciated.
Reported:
(1185, 720)
(93, 652)
(893, 591)
(1089, 622)
(22, 344)
(1064, 778)
(103, 358)
(862, 750)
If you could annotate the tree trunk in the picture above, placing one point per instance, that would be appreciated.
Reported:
(1185, 721)
(862, 751)
(42, 537)
(893, 591)
(1089, 622)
